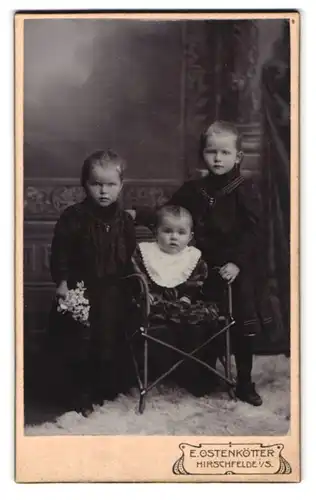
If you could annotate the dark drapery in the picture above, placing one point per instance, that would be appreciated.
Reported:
(276, 182)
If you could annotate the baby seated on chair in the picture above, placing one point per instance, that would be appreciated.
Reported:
(175, 271)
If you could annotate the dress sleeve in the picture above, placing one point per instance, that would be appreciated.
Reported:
(62, 245)
(130, 236)
(192, 288)
(139, 268)
(249, 205)
(137, 260)
(146, 216)
(183, 196)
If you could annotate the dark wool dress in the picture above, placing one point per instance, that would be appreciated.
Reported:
(226, 211)
(93, 245)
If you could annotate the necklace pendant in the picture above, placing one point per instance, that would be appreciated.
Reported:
(107, 227)
(210, 199)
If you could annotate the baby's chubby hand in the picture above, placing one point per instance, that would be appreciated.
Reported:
(185, 301)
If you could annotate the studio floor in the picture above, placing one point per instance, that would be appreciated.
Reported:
(176, 412)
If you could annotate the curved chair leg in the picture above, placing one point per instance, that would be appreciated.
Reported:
(232, 393)
(228, 367)
(141, 406)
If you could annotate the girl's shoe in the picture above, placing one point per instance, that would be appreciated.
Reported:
(84, 405)
(248, 394)
(86, 412)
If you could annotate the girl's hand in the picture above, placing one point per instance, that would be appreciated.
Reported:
(62, 290)
(229, 272)
(132, 213)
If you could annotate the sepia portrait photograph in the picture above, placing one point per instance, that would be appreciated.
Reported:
(156, 247)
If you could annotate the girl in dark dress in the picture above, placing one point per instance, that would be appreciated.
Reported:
(226, 210)
(93, 243)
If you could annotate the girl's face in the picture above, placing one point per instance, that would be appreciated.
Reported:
(220, 153)
(174, 233)
(104, 185)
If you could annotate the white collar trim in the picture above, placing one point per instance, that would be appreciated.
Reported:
(168, 270)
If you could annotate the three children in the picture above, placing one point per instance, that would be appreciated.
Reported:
(94, 242)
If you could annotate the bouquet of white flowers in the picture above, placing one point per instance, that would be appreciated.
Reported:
(76, 304)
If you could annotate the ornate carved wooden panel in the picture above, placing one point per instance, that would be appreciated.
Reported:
(45, 199)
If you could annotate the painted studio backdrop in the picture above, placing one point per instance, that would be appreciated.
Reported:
(147, 90)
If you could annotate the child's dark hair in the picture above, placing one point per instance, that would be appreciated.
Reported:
(174, 210)
(219, 127)
(103, 159)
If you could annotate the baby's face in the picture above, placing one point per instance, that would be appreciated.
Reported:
(174, 233)
(220, 153)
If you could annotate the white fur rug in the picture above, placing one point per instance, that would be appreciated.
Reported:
(175, 412)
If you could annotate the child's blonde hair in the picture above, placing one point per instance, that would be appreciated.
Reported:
(103, 159)
(220, 127)
(175, 211)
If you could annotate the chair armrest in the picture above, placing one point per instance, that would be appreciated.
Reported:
(227, 288)
(139, 277)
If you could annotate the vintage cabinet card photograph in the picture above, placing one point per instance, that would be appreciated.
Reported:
(157, 272)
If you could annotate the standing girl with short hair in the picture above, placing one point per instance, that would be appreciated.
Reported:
(93, 243)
